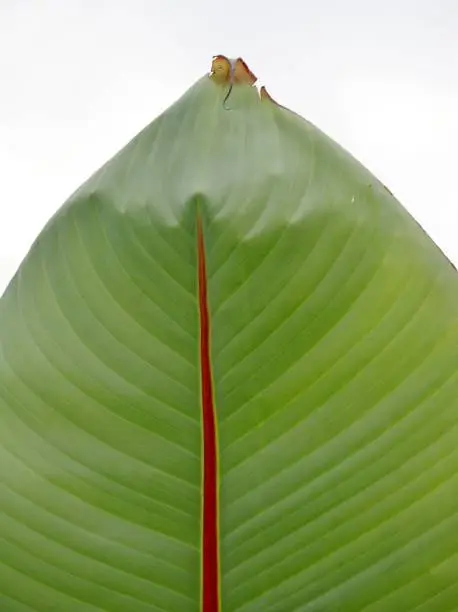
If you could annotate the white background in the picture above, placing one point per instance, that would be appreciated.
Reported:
(78, 79)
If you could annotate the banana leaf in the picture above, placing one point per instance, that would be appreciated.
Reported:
(229, 380)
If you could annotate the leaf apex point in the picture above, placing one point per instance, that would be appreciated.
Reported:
(265, 95)
(225, 71)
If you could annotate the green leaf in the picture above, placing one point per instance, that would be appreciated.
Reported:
(334, 346)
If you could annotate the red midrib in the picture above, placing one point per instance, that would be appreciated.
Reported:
(210, 544)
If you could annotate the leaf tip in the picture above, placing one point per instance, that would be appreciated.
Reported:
(265, 95)
(227, 71)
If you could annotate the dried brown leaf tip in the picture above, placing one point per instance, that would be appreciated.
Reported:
(242, 74)
(265, 95)
(221, 69)
(228, 72)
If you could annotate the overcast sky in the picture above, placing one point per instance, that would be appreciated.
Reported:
(79, 78)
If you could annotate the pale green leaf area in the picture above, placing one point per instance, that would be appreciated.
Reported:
(334, 329)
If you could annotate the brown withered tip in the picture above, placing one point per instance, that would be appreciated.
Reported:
(265, 95)
(220, 69)
(226, 71)
(242, 74)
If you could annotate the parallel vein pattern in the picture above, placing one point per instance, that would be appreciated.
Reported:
(323, 417)
(335, 347)
(100, 436)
